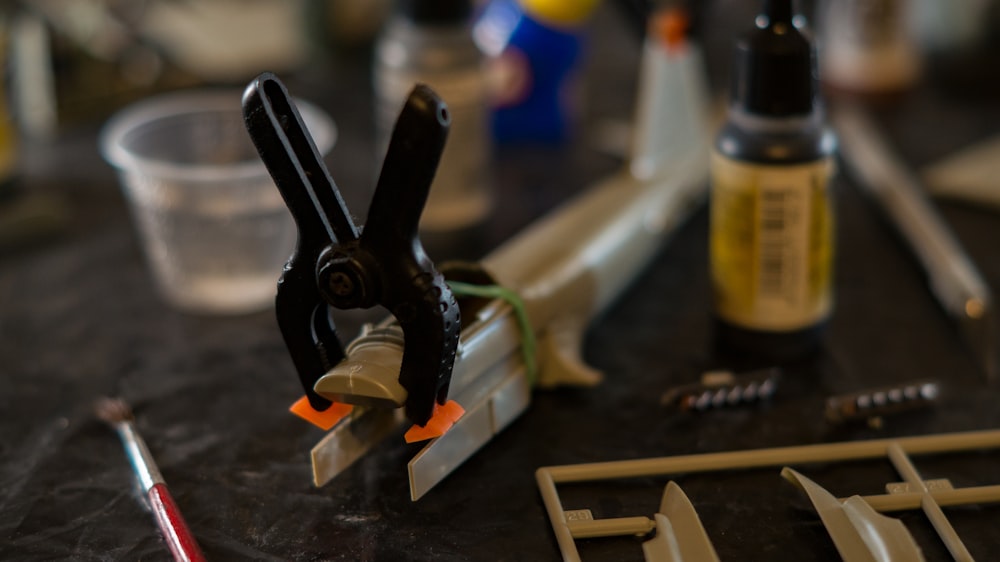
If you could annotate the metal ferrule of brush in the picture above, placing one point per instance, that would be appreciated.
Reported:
(140, 457)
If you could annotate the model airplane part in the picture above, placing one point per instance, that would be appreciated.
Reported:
(969, 175)
(930, 507)
(680, 536)
(860, 533)
(912, 494)
(954, 279)
(678, 533)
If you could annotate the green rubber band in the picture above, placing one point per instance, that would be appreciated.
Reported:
(520, 312)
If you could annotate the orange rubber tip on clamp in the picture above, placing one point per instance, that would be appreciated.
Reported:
(442, 419)
(323, 420)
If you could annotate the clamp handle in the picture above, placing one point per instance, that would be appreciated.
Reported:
(321, 216)
(336, 265)
(411, 288)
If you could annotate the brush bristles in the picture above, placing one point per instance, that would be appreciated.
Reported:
(113, 410)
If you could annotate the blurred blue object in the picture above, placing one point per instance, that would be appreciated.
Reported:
(535, 49)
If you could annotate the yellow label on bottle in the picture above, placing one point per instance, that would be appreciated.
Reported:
(771, 243)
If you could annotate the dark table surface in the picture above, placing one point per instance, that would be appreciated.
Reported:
(79, 319)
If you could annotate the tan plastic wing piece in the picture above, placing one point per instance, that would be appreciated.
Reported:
(859, 532)
(680, 535)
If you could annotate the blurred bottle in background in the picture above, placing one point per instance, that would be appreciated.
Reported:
(8, 131)
(867, 47)
(430, 41)
(952, 26)
(345, 25)
(535, 48)
(671, 112)
(27, 216)
(960, 43)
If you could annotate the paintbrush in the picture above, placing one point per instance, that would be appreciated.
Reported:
(179, 538)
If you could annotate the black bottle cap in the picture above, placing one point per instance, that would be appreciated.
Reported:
(435, 12)
(774, 66)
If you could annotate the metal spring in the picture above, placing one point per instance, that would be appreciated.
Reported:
(719, 389)
(881, 401)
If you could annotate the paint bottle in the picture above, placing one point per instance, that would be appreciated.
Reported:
(771, 234)
(430, 42)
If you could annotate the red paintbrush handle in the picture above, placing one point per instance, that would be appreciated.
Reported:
(172, 525)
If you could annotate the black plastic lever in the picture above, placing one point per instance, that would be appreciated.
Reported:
(334, 265)
(296, 166)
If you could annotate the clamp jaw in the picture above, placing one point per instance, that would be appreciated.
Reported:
(337, 264)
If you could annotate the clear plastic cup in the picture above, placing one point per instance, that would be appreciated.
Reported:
(213, 226)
